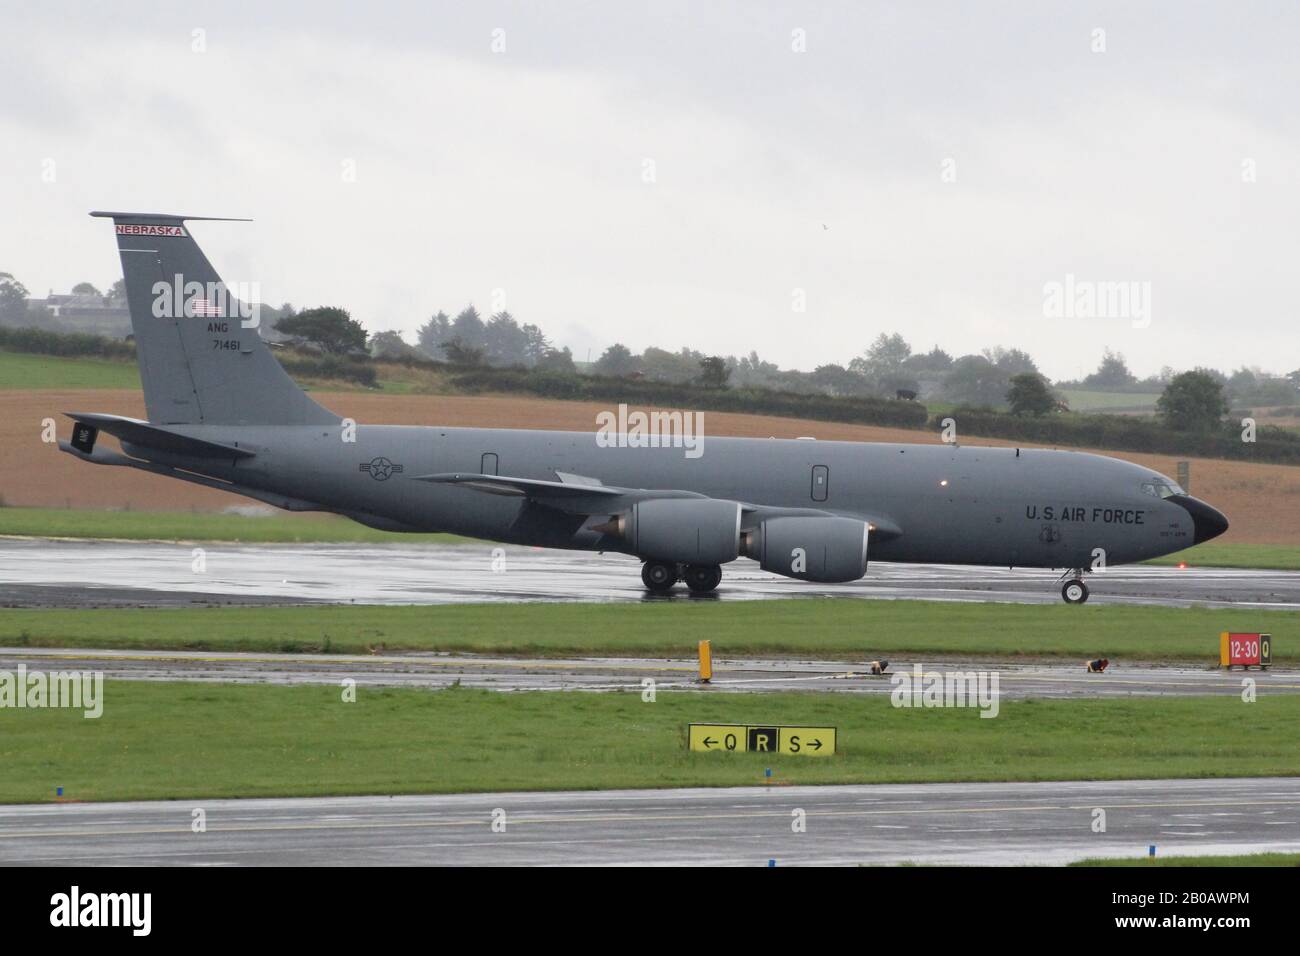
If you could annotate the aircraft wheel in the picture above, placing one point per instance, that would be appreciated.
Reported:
(703, 578)
(1074, 592)
(659, 576)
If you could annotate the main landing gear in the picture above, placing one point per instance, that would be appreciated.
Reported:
(1075, 591)
(660, 576)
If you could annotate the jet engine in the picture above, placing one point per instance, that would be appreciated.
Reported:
(827, 549)
(701, 531)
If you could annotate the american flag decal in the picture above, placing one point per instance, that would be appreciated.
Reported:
(200, 307)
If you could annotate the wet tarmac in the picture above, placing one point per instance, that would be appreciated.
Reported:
(41, 573)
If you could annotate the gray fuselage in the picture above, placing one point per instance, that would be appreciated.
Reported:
(929, 503)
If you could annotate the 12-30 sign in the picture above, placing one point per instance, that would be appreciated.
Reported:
(1245, 650)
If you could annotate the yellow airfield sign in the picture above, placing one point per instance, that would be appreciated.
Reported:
(755, 738)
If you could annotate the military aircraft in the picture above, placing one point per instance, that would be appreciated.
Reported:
(223, 413)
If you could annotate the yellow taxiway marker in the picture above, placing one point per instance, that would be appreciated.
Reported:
(750, 738)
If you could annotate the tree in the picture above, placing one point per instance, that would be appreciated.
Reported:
(469, 329)
(935, 360)
(1193, 401)
(505, 342)
(837, 380)
(536, 345)
(974, 380)
(557, 360)
(328, 328)
(1112, 372)
(460, 353)
(13, 300)
(714, 372)
(617, 361)
(391, 345)
(1255, 387)
(664, 366)
(1011, 361)
(117, 290)
(85, 288)
(750, 370)
(433, 334)
(1030, 394)
(885, 356)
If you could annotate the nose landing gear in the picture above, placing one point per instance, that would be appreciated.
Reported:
(660, 576)
(1074, 591)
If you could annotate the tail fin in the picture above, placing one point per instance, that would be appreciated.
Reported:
(202, 361)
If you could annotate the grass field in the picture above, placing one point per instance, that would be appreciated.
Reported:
(1082, 400)
(25, 371)
(820, 627)
(30, 370)
(1215, 555)
(278, 528)
(189, 741)
(1249, 859)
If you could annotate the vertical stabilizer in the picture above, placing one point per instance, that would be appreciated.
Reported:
(202, 361)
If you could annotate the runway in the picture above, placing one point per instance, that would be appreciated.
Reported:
(432, 671)
(969, 823)
(44, 573)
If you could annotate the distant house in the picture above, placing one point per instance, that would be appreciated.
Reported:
(92, 314)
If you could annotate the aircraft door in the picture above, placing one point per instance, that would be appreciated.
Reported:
(488, 465)
(821, 480)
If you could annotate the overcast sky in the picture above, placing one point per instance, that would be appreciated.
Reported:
(919, 167)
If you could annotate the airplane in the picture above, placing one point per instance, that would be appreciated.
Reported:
(223, 413)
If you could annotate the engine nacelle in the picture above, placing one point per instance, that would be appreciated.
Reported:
(831, 550)
(690, 530)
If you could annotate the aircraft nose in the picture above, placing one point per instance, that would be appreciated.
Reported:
(1208, 522)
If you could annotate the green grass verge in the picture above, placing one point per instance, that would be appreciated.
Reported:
(27, 371)
(279, 528)
(1084, 400)
(1214, 555)
(32, 370)
(189, 741)
(1249, 859)
(823, 627)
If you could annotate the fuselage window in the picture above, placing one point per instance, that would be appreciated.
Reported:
(821, 478)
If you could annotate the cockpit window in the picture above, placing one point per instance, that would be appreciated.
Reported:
(1161, 488)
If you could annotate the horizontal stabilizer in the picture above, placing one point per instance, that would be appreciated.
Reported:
(143, 434)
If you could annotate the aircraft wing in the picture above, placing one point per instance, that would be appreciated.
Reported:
(521, 487)
(577, 494)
